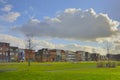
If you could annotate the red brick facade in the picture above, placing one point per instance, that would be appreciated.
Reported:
(4, 51)
(29, 54)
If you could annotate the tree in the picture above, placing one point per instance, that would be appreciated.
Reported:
(30, 46)
(108, 46)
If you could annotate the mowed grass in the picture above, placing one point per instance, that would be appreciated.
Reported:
(57, 71)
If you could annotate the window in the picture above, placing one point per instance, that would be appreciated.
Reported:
(16, 49)
(11, 49)
(11, 53)
(0, 48)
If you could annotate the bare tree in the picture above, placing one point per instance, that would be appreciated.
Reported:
(29, 46)
(108, 46)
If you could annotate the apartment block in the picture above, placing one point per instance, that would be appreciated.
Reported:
(95, 57)
(13, 53)
(4, 52)
(71, 56)
(29, 54)
(50, 55)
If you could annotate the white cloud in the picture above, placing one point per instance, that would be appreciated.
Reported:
(117, 49)
(73, 24)
(10, 17)
(76, 47)
(14, 41)
(42, 44)
(7, 8)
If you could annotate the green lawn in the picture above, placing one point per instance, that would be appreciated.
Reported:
(57, 71)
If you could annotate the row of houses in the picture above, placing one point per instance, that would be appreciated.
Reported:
(11, 53)
(50, 55)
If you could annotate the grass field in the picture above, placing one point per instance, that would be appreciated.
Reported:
(57, 71)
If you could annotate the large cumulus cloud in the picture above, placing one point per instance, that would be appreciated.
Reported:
(72, 24)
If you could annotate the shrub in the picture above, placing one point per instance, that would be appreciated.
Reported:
(101, 64)
(111, 64)
(106, 64)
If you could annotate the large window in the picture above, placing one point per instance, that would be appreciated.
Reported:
(11, 53)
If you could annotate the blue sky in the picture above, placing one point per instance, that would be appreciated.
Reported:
(24, 10)
(41, 8)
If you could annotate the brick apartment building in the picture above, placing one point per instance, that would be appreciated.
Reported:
(47, 55)
(95, 57)
(29, 54)
(50, 55)
(42, 55)
(78, 56)
(4, 52)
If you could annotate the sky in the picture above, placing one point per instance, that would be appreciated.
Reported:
(61, 24)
